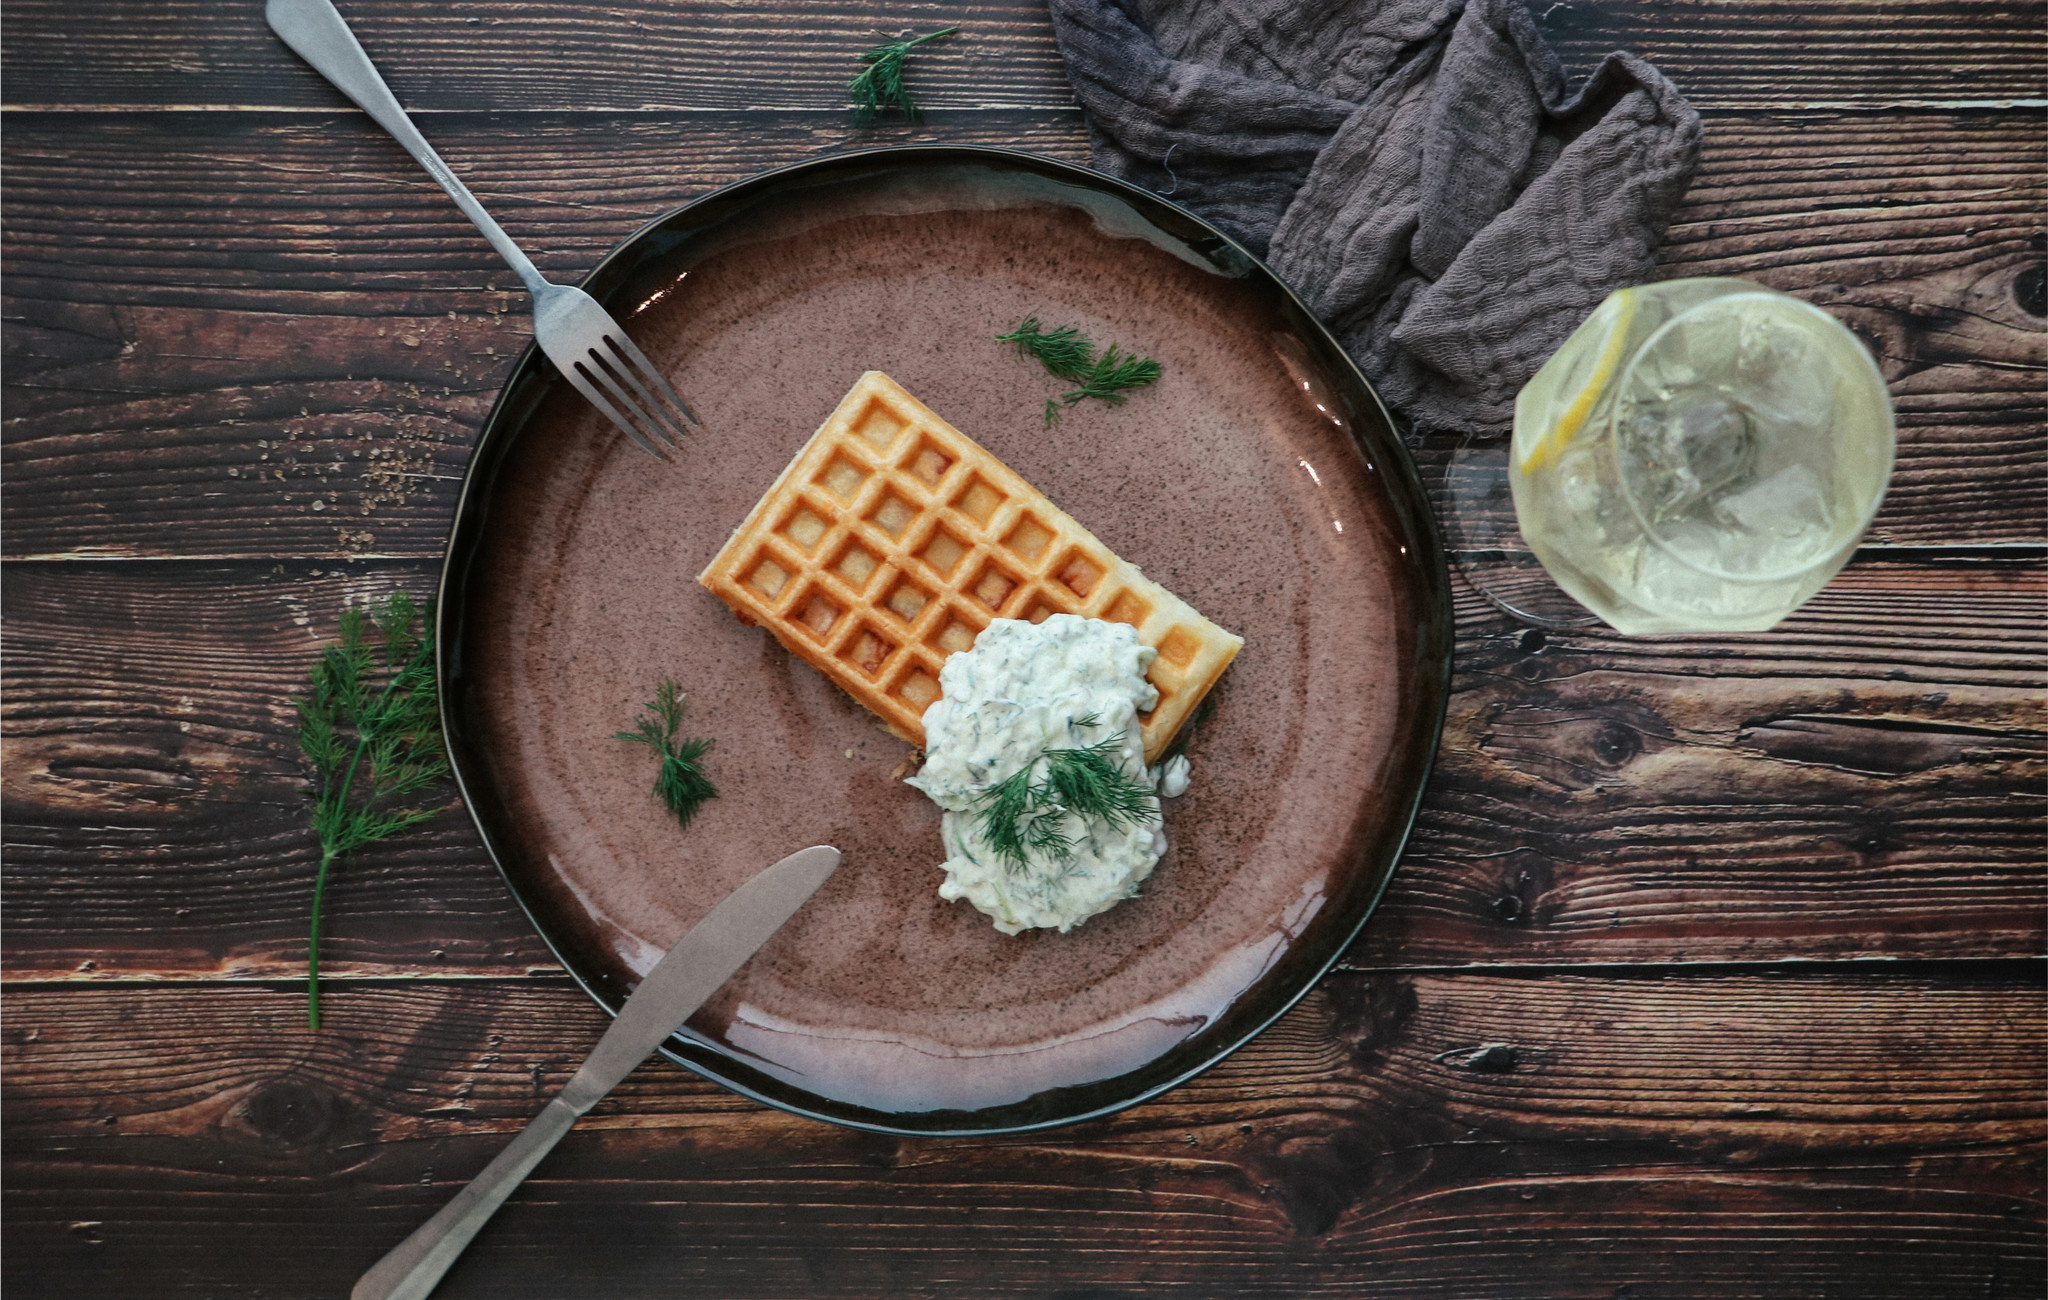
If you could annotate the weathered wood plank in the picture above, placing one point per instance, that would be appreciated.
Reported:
(1868, 1135)
(635, 55)
(1667, 798)
(175, 810)
(233, 334)
(1863, 781)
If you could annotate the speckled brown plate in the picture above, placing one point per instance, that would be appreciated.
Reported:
(1260, 480)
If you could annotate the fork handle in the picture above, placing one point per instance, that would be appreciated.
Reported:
(316, 30)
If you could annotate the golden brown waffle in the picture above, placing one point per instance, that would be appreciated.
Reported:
(893, 538)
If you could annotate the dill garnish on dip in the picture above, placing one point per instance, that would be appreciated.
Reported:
(1034, 753)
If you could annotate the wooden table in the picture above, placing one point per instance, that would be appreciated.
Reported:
(1712, 968)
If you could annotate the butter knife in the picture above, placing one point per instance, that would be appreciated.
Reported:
(680, 982)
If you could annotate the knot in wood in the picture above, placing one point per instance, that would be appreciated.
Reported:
(1487, 1058)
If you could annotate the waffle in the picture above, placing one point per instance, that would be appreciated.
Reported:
(893, 538)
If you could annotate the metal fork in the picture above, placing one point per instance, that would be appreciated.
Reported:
(578, 335)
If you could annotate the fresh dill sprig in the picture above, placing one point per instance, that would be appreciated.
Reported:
(1067, 354)
(1015, 821)
(1026, 813)
(1111, 374)
(1091, 782)
(372, 730)
(878, 87)
(681, 783)
(1062, 351)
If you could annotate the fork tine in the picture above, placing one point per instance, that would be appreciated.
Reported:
(633, 354)
(661, 418)
(593, 366)
(583, 385)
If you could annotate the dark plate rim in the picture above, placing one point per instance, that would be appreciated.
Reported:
(1372, 430)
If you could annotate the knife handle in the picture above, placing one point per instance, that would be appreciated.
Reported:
(707, 955)
(412, 1268)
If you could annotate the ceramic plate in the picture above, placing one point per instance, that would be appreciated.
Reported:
(1259, 480)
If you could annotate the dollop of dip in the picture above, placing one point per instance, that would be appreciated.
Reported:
(1024, 689)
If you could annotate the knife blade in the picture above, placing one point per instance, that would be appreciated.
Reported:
(686, 976)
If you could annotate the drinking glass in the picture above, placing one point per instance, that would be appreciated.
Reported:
(1701, 455)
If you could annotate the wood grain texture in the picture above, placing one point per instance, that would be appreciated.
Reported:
(176, 811)
(638, 55)
(1677, 993)
(1863, 781)
(244, 334)
(1402, 1135)
(1706, 797)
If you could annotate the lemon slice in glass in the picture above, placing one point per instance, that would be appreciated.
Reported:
(1588, 360)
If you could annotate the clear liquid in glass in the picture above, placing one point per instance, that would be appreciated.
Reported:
(1700, 455)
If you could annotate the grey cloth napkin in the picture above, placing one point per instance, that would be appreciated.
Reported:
(1412, 168)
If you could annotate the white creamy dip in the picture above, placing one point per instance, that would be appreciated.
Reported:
(1024, 689)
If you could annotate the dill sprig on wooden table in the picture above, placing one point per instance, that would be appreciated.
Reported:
(681, 783)
(1067, 354)
(879, 87)
(371, 727)
(1026, 813)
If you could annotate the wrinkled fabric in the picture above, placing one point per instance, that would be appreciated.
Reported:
(1414, 169)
